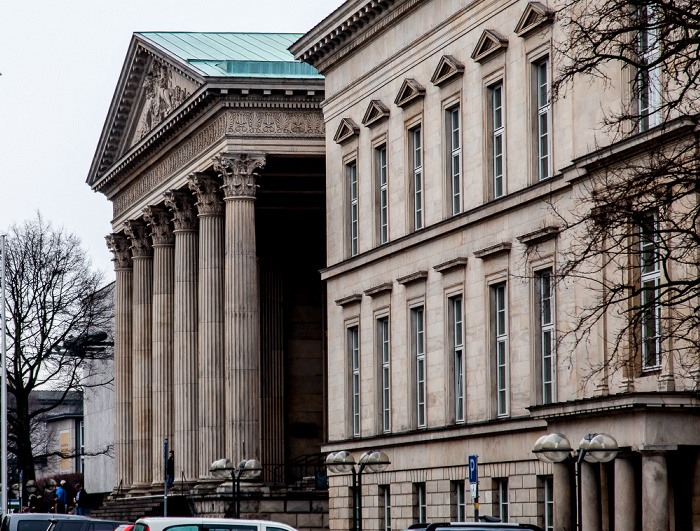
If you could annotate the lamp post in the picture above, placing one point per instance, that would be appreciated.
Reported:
(343, 462)
(593, 448)
(247, 469)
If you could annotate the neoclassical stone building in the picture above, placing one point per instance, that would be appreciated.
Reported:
(444, 158)
(213, 157)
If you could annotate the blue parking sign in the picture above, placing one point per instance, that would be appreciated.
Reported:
(473, 470)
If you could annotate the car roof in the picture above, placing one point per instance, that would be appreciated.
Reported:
(168, 520)
(44, 516)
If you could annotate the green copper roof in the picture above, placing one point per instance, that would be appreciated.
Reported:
(234, 54)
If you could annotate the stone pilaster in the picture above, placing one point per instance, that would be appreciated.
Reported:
(123, 321)
(590, 502)
(625, 495)
(212, 413)
(562, 497)
(142, 255)
(654, 491)
(185, 396)
(242, 321)
(159, 221)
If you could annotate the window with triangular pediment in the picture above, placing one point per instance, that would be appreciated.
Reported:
(375, 113)
(490, 43)
(448, 68)
(535, 16)
(346, 130)
(410, 91)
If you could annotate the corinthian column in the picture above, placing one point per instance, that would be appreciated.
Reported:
(142, 253)
(185, 442)
(123, 267)
(211, 321)
(242, 315)
(159, 220)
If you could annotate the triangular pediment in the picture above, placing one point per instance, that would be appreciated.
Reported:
(448, 68)
(152, 85)
(346, 130)
(410, 91)
(490, 43)
(375, 113)
(534, 16)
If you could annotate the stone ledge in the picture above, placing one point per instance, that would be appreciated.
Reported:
(413, 277)
(492, 250)
(448, 266)
(350, 299)
(540, 235)
(380, 289)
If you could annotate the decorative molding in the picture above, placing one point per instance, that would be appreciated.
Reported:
(410, 91)
(375, 113)
(455, 263)
(448, 68)
(207, 190)
(118, 244)
(347, 129)
(534, 16)
(489, 44)
(380, 289)
(269, 123)
(492, 250)
(159, 219)
(413, 277)
(540, 235)
(181, 204)
(350, 299)
(239, 173)
(139, 236)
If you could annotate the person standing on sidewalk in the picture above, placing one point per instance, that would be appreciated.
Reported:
(170, 472)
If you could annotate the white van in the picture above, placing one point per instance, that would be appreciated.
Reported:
(208, 524)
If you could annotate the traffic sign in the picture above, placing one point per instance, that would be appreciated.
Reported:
(473, 469)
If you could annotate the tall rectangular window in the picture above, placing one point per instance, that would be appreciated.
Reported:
(500, 325)
(418, 344)
(498, 140)
(543, 119)
(459, 504)
(385, 506)
(354, 208)
(354, 347)
(420, 503)
(502, 499)
(648, 83)
(456, 328)
(546, 334)
(548, 503)
(417, 176)
(650, 269)
(454, 158)
(383, 187)
(385, 353)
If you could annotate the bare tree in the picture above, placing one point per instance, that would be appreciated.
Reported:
(55, 308)
(635, 228)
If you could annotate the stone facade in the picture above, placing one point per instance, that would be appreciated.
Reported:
(440, 237)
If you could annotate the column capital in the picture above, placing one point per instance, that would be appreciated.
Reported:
(206, 190)
(238, 171)
(118, 244)
(181, 204)
(158, 219)
(139, 236)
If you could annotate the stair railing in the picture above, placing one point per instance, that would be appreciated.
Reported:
(119, 489)
(189, 493)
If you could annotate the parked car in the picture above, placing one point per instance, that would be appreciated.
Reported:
(207, 524)
(125, 527)
(33, 521)
(84, 524)
(475, 526)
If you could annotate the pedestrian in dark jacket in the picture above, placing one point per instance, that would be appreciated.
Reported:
(170, 472)
(79, 499)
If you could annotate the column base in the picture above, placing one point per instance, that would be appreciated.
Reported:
(141, 489)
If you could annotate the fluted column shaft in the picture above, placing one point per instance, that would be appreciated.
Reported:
(123, 320)
(625, 495)
(212, 412)
(142, 351)
(185, 441)
(242, 315)
(159, 220)
(655, 496)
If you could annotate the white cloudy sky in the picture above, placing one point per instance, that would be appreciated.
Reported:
(60, 60)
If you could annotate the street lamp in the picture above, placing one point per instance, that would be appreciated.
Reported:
(594, 448)
(247, 469)
(343, 462)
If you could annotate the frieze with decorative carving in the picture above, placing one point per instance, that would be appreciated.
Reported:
(139, 235)
(118, 244)
(181, 204)
(162, 96)
(159, 219)
(239, 173)
(207, 191)
(290, 124)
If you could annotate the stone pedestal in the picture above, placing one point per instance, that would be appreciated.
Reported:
(212, 413)
(142, 254)
(625, 495)
(185, 441)
(123, 322)
(242, 316)
(159, 220)
(654, 492)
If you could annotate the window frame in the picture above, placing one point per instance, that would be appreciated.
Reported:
(453, 156)
(383, 328)
(650, 276)
(382, 169)
(497, 139)
(385, 505)
(353, 208)
(543, 117)
(459, 502)
(418, 348)
(417, 180)
(647, 80)
(499, 308)
(353, 340)
(421, 505)
(546, 358)
(502, 501)
(458, 359)
(548, 512)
